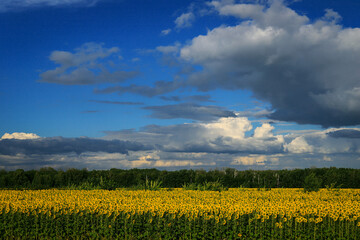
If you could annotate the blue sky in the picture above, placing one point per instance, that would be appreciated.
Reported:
(179, 84)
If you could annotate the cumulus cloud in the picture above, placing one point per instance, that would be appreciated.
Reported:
(11, 5)
(299, 145)
(233, 141)
(84, 67)
(225, 135)
(189, 111)
(330, 141)
(265, 131)
(19, 135)
(307, 70)
(226, 142)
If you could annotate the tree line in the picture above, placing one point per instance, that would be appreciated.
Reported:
(45, 178)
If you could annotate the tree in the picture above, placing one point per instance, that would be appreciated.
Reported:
(311, 183)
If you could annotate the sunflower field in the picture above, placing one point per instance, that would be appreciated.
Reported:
(180, 214)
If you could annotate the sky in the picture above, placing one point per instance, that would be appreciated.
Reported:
(204, 84)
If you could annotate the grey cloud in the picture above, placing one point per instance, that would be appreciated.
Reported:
(256, 113)
(199, 98)
(224, 146)
(193, 98)
(161, 87)
(84, 67)
(60, 145)
(189, 111)
(179, 160)
(345, 133)
(307, 71)
(116, 102)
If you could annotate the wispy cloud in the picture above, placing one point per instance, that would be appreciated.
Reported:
(116, 102)
(193, 98)
(189, 111)
(166, 32)
(184, 20)
(159, 88)
(85, 66)
(13, 5)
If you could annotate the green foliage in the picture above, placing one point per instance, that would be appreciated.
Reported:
(46, 178)
(190, 186)
(332, 187)
(311, 183)
(151, 185)
(207, 186)
(83, 186)
(107, 184)
(15, 225)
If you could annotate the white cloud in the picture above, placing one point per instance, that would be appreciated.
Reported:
(299, 145)
(227, 127)
(249, 160)
(276, 15)
(184, 20)
(238, 10)
(19, 135)
(265, 131)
